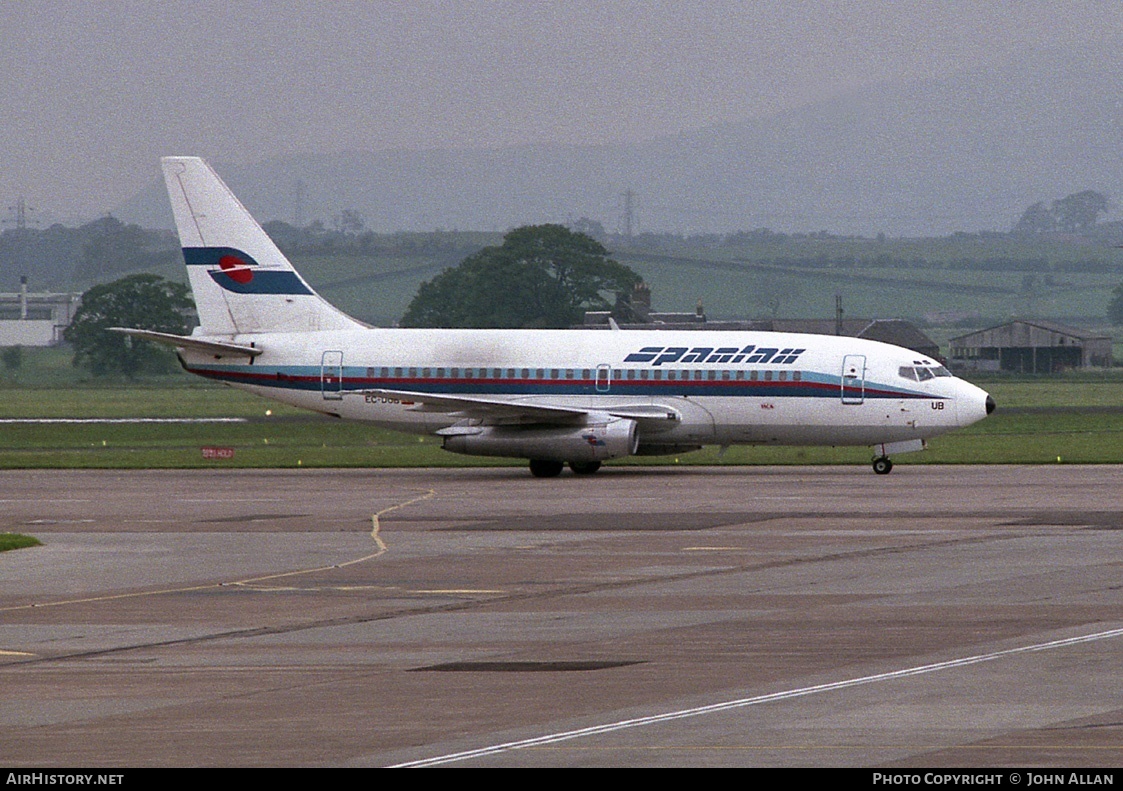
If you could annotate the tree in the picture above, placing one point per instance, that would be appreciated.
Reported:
(12, 357)
(142, 301)
(1036, 219)
(541, 276)
(1079, 211)
(1071, 214)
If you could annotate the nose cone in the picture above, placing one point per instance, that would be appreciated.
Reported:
(974, 403)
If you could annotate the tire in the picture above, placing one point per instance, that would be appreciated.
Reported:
(544, 468)
(882, 465)
(584, 467)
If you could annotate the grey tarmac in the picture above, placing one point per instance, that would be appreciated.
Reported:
(940, 616)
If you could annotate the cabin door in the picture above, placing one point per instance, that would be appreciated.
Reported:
(854, 379)
(331, 376)
(604, 378)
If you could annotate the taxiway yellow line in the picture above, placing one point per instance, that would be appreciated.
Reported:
(382, 548)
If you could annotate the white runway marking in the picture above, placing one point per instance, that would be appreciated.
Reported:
(231, 500)
(640, 722)
(124, 420)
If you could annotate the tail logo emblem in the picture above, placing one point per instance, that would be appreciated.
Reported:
(237, 272)
(235, 268)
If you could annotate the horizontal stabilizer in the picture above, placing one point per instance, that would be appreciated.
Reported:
(220, 348)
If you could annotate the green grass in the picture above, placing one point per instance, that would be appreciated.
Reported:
(289, 437)
(1070, 438)
(191, 398)
(17, 541)
(1056, 394)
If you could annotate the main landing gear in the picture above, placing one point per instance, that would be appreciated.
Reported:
(544, 468)
(882, 465)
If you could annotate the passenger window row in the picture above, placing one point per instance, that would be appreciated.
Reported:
(585, 374)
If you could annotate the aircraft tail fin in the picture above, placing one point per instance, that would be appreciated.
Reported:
(241, 281)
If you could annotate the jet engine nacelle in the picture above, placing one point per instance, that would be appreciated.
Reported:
(594, 442)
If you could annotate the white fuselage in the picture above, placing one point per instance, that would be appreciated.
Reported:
(726, 387)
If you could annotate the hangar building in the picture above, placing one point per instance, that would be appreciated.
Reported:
(1032, 347)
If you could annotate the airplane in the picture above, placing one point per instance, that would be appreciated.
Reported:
(554, 397)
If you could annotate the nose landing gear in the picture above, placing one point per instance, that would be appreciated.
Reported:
(881, 463)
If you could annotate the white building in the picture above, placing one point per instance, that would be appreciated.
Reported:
(35, 319)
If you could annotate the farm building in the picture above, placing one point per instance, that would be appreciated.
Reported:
(1037, 347)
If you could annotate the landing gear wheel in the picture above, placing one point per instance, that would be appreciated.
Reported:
(882, 465)
(584, 467)
(544, 468)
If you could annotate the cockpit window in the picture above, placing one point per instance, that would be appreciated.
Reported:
(922, 374)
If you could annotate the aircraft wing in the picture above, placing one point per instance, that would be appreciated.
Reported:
(189, 342)
(499, 410)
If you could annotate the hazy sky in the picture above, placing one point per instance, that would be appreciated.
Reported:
(95, 92)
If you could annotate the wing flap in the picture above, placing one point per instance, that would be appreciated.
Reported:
(507, 410)
(482, 407)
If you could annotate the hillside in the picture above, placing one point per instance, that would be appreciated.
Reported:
(964, 153)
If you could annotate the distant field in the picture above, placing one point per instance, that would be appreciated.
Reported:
(991, 277)
(375, 289)
(745, 290)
